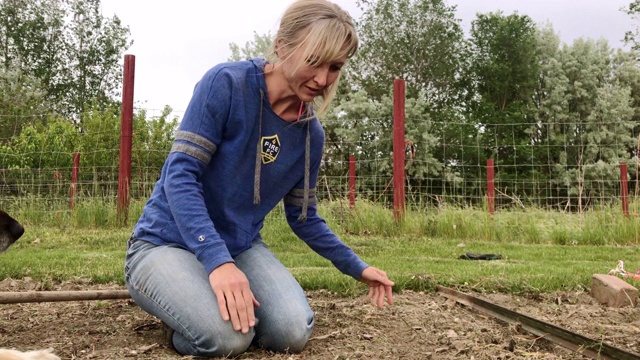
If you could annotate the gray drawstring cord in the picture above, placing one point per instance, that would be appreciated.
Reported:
(256, 175)
(307, 165)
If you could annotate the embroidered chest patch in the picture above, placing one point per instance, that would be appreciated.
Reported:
(270, 148)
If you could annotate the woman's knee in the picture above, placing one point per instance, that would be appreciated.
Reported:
(289, 336)
(214, 343)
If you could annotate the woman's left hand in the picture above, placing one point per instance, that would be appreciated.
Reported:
(379, 286)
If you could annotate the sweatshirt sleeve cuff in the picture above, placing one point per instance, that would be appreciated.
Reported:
(355, 270)
(213, 256)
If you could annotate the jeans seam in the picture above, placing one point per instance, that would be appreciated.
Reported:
(169, 315)
(185, 333)
(140, 291)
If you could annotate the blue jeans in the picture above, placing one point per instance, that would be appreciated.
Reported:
(169, 283)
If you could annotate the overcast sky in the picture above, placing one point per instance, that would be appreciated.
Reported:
(175, 42)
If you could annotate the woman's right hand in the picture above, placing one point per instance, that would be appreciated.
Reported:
(235, 299)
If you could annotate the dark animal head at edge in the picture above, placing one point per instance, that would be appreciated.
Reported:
(10, 231)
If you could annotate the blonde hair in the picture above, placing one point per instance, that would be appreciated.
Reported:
(323, 31)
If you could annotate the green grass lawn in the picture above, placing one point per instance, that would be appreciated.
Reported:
(415, 254)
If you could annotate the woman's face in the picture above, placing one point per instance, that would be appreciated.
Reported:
(308, 81)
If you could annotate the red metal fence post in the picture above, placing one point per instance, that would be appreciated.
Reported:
(398, 148)
(624, 189)
(491, 191)
(124, 170)
(352, 181)
(74, 180)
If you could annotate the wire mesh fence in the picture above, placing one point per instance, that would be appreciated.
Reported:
(37, 152)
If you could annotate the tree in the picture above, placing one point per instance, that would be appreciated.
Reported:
(506, 70)
(67, 45)
(627, 74)
(504, 58)
(597, 132)
(420, 41)
(49, 147)
(552, 115)
(153, 137)
(632, 37)
(95, 46)
(22, 103)
(45, 148)
(258, 47)
(363, 127)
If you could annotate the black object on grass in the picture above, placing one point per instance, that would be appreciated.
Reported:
(472, 256)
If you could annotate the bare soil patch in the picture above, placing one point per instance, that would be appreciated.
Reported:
(419, 326)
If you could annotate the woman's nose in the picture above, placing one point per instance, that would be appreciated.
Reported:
(321, 76)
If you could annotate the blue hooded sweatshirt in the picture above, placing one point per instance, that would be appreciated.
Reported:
(233, 160)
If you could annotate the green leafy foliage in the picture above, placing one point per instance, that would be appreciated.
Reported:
(22, 101)
(43, 154)
(632, 36)
(505, 69)
(363, 127)
(585, 118)
(68, 46)
(257, 48)
(419, 41)
(557, 118)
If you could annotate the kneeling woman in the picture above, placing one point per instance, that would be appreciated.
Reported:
(250, 138)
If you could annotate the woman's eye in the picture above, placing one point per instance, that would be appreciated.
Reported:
(313, 62)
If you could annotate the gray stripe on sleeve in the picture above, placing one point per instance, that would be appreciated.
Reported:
(196, 139)
(296, 201)
(300, 192)
(191, 150)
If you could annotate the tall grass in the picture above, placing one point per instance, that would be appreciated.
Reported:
(601, 226)
(87, 213)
